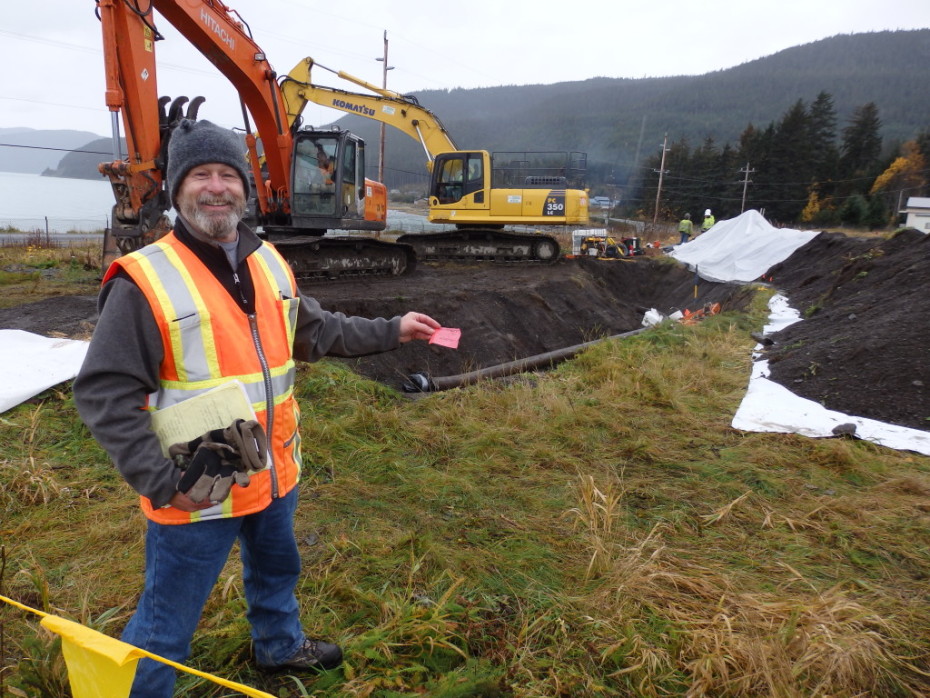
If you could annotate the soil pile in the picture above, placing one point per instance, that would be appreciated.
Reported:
(505, 312)
(863, 347)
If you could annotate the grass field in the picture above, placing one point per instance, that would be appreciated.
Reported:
(599, 530)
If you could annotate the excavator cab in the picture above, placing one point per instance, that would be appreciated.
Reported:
(329, 190)
(477, 189)
(314, 191)
(458, 175)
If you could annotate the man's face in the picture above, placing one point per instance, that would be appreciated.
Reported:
(212, 199)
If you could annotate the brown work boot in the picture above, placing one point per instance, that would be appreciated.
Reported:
(313, 655)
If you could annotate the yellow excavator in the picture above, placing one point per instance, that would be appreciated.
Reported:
(478, 192)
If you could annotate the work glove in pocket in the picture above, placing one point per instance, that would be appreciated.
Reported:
(219, 458)
(210, 476)
(247, 439)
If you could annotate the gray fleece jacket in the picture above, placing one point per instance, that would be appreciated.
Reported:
(122, 363)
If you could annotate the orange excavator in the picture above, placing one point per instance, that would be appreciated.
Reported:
(308, 183)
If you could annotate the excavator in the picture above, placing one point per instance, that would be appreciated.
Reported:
(308, 183)
(478, 192)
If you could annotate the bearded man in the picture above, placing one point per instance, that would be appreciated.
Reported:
(210, 303)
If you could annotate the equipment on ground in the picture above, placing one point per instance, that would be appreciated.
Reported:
(610, 248)
(306, 183)
(476, 191)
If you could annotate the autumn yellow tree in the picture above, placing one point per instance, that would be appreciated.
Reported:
(906, 172)
(813, 208)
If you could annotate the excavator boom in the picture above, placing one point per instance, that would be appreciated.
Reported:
(129, 37)
(402, 112)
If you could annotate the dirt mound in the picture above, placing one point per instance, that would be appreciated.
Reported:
(511, 312)
(59, 316)
(863, 347)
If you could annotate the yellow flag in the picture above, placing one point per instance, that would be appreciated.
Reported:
(100, 666)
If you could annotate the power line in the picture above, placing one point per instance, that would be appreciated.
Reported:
(44, 147)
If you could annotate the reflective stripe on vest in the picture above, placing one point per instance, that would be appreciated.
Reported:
(208, 341)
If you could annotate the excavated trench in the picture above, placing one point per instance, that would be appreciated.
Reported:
(511, 314)
(506, 312)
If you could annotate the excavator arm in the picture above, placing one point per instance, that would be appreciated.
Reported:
(400, 111)
(129, 36)
(294, 208)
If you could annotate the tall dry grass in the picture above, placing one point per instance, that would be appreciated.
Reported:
(599, 530)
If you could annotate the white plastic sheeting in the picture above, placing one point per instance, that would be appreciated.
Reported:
(740, 249)
(770, 407)
(30, 363)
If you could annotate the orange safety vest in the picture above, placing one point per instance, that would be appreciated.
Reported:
(209, 341)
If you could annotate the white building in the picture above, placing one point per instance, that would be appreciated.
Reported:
(918, 213)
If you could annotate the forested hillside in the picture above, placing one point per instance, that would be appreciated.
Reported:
(620, 122)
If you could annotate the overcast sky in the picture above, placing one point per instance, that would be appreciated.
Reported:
(52, 60)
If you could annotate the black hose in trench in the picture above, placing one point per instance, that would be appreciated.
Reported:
(422, 383)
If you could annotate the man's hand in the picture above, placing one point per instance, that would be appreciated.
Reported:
(184, 503)
(417, 326)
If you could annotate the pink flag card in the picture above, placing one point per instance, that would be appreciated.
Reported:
(446, 337)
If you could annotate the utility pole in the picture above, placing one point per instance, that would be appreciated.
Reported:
(385, 68)
(746, 172)
(662, 171)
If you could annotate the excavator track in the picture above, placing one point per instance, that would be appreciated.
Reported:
(313, 257)
(483, 245)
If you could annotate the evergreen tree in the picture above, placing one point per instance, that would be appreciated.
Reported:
(862, 145)
(855, 210)
(791, 164)
(756, 149)
(679, 180)
(876, 215)
(923, 147)
(705, 167)
(822, 122)
(731, 186)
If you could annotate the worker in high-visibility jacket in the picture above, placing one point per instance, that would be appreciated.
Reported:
(685, 228)
(208, 304)
(708, 221)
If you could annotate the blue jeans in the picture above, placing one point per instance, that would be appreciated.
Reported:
(182, 564)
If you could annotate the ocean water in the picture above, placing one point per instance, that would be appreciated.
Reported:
(58, 205)
(31, 202)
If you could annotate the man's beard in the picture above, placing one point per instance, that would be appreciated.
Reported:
(214, 225)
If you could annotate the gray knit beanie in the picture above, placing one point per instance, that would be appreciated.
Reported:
(194, 143)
